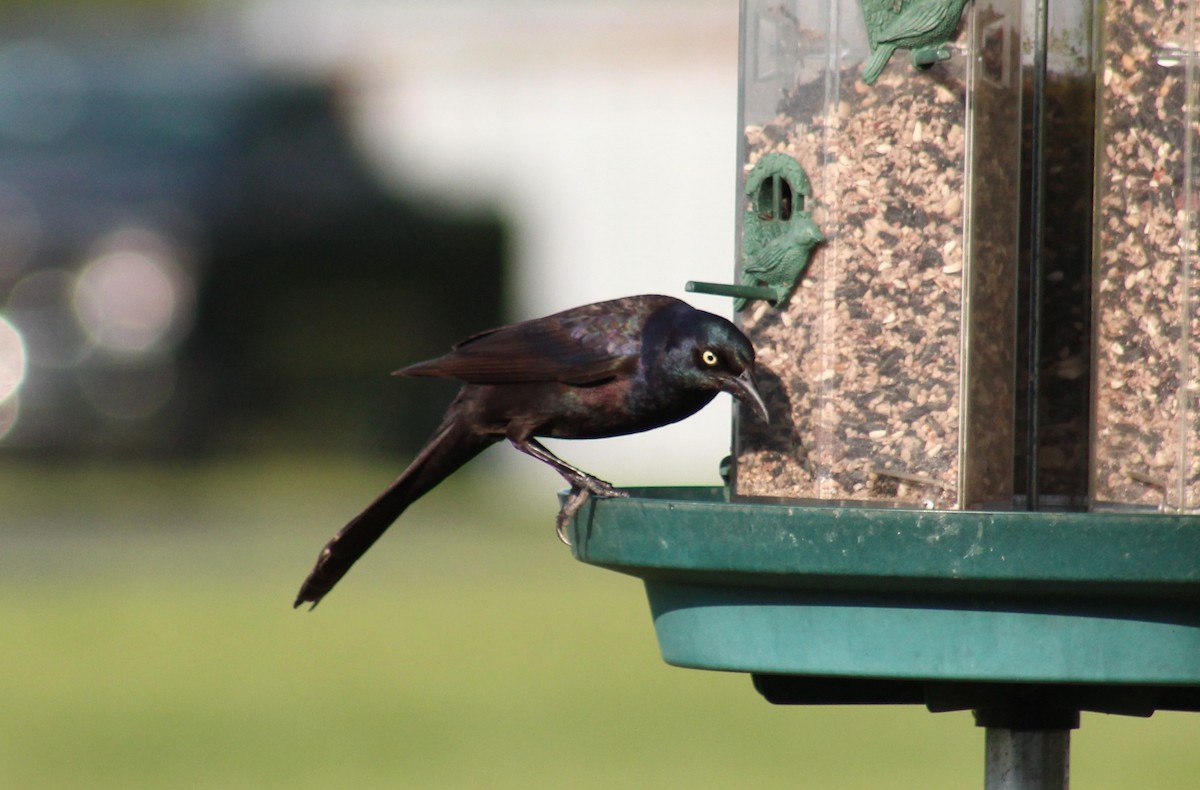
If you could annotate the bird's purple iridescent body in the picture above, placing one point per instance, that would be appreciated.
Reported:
(600, 370)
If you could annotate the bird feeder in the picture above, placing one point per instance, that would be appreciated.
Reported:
(979, 485)
(889, 358)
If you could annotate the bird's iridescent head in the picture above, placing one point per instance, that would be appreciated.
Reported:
(708, 353)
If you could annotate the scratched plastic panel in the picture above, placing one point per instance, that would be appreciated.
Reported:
(888, 370)
(1146, 301)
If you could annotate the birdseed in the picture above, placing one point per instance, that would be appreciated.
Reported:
(863, 368)
(1146, 444)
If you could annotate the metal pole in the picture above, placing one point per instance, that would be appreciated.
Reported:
(1028, 741)
(1027, 759)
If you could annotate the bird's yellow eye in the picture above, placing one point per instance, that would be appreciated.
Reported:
(709, 357)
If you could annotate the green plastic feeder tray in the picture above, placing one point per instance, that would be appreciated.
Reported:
(849, 604)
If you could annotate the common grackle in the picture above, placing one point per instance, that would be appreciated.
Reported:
(603, 369)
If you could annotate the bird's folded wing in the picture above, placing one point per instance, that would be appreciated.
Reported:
(586, 345)
(914, 21)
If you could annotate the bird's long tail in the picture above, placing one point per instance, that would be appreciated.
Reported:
(879, 58)
(451, 446)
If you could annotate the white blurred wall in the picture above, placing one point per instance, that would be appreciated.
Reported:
(604, 131)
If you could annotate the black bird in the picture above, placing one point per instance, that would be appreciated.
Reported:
(603, 369)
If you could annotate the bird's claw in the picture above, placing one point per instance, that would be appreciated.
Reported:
(575, 500)
(581, 489)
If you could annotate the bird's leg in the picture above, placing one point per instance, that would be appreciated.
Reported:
(575, 500)
(576, 477)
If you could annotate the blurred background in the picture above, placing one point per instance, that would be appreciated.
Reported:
(221, 226)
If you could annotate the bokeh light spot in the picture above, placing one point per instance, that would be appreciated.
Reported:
(12, 359)
(9, 410)
(130, 298)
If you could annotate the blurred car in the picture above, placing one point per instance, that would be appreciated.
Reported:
(194, 256)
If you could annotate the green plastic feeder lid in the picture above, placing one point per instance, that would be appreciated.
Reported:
(1108, 598)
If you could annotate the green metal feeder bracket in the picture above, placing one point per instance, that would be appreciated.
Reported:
(1017, 615)
(922, 26)
(778, 235)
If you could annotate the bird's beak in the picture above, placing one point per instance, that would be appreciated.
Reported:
(744, 389)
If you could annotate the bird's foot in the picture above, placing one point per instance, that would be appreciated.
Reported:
(596, 486)
(582, 487)
(575, 500)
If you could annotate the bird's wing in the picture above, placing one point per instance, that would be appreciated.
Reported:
(766, 262)
(913, 22)
(768, 254)
(584, 345)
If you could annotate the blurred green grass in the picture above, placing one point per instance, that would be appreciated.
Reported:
(149, 642)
